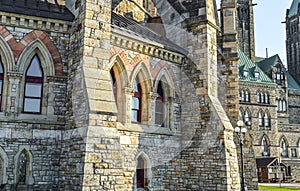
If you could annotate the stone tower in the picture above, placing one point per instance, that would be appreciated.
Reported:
(245, 25)
(293, 40)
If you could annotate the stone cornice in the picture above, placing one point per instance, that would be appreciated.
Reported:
(146, 47)
(45, 24)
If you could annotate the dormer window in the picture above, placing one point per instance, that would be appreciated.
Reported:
(257, 75)
(245, 73)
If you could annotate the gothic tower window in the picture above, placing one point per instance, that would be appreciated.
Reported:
(1, 81)
(33, 87)
(260, 119)
(283, 148)
(141, 173)
(159, 105)
(267, 119)
(265, 146)
(247, 96)
(136, 102)
(258, 97)
(23, 164)
(247, 117)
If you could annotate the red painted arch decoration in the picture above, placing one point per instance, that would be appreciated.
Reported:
(18, 47)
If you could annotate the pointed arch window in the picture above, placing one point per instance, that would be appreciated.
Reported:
(247, 117)
(159, 105)
(258, 97)
(33, 90)
(267, 98)
(141, 173)
(1, 82)
(264, 147)
(262, 95)
(243, 95)
(247, 97)
(136, 102)
(22, 172)
(113, 83)
(260, 119)
(283, 148)
(283, 105)
(267, 120)
(241, 114)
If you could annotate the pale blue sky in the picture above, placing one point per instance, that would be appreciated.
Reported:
(268, 30)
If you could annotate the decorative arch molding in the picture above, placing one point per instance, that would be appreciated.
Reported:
(118, 61)
(4, 158)
(6, 55)
(37, 47)
(19, 47)
(164, 73)
(142, 69)
(148, 167)
(29, 176)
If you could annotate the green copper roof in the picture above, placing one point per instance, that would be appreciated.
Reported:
(292, 84)
(267, 63)
(245, 64)
(294, 8)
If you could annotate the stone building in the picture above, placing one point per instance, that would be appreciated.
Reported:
(293, 39)
(118, 95)
(269, 103)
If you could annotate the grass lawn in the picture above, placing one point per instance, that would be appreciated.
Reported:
(276, 188)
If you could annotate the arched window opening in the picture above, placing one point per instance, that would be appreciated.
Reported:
(33, 87)
(141, 173)
(262, 96)
(247, 97)
(243, 95)
(1, 82)
(258, 97)
(241, 114)
(280, 105)
(159, 105)
(114, 83)
(266, 98)
(264, 147)
(267, 120)
(136, 102)
(283, 148)
(283, 105)
(247, 117)
(23, 164)
(260, 119)
(277, 104)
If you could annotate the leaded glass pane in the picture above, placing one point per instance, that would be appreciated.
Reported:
(33, 90)
(134, 116)
(22, 168)
(35, 68)
(135, 103)
(32, 105)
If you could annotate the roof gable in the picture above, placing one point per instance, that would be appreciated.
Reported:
(245, 64)
(37, 8)
(294, 8)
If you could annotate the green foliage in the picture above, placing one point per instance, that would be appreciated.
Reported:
(276, 188)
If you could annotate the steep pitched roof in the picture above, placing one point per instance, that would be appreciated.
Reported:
(267, 63)
(140, 31)
(294, 8)
(246, 64)
(37, 8)
(292, 84)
